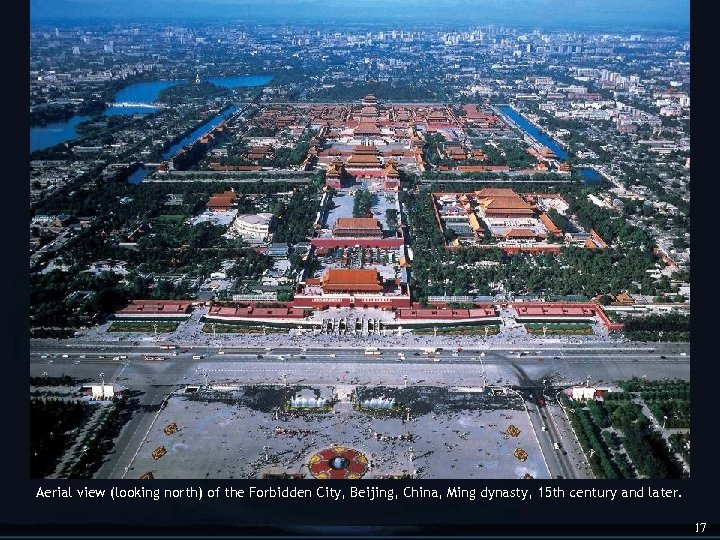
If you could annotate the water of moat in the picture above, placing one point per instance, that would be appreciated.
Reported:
(533, 131)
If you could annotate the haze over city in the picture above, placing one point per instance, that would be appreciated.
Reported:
(571, 14)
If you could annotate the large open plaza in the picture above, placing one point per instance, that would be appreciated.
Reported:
(431, 432)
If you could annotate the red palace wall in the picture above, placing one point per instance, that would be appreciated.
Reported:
(383, 243)
(320, 302)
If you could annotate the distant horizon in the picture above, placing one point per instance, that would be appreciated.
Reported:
(625, 15)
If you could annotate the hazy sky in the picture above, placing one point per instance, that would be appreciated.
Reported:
(670, 14)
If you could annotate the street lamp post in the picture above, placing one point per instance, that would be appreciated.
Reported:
(482, 365)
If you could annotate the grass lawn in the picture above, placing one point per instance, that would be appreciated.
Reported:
(459, 330)
(143, 326)
(559, 328)
(242, 329)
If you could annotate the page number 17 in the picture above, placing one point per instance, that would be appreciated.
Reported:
(700, 527)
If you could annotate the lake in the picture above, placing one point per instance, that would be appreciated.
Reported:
(55, 133)
(241, 81)
(141, 95)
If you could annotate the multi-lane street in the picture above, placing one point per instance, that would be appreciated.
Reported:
(538, 370)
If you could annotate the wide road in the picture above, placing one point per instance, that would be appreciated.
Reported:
(125, 363)
(564, 365)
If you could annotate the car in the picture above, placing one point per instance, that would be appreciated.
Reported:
(683, 354)
(64, 355)
(663, 357)
(221, 352)
(43, 356)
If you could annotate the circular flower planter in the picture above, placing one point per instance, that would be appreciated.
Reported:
(338, 463)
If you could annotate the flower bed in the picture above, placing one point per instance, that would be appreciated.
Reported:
(338, 463)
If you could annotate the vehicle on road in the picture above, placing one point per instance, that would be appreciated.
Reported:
(221, 352)
(64, 355)
(373, 351)
(197, 357)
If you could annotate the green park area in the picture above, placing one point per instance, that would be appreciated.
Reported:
(620, 441)
(144, 326)
(558, 328)
(477, 330)
(241, 328)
